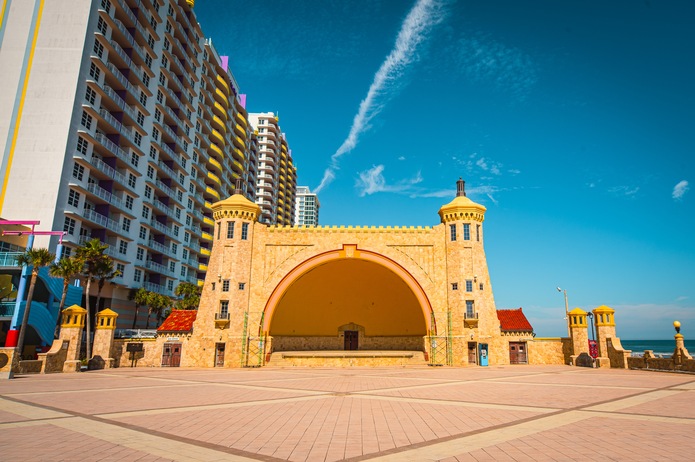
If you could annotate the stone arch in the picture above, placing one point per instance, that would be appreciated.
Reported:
(349, 251)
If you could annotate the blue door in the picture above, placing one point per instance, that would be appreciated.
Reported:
(482, 349)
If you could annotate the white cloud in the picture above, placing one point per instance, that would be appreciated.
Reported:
(680, 189)
(424, 15)
(401, 158)
(628, 191)
(372, 181)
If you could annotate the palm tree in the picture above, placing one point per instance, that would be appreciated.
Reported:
(104, 272)
(90, 254)
(157, 304)
(66, 268)
(36, 259)
(140, 297)
(190, 294)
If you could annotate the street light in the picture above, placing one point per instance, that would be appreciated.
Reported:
(567, 311)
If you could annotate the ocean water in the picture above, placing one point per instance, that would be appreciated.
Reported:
(660, 347)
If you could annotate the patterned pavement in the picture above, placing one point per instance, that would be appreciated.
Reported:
(505, 413)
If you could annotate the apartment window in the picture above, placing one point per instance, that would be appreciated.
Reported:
(150, 172)
(74, 198)
(148, 59)
(179, 196)
(78, 172)
(242, 285)
(172, 266)
(182, 178)
(244, 231)
(122, 247)
(224, 308)
(98, 48)
(140, 254)
(188, 220)
(184, 254)
(69, 226)
(138, 138)
(470, 309)
(143, 233)
(452, 232)
(148, 192)
(126, 224)
(190, 204)
(128, 202)
(137, 275)
(157, 115)
(101, 26)
(184, 272)
(90, 95)
(131, 180)
(94, 72)
(134, 159)
(143, 98)
(150, 39)
(155, 134)
(177, 213)
(477, 233)
(469, 285)
(153, 23)
(454, 286)
(186, 236)
(230, 230)
(174, 248)
(153, 152)
(86, 120)
(466, 232)
(141, 118)
(225, 285)
(145, 212)
(106, 5)
(166, 44)
(165, 62)
(176, 230)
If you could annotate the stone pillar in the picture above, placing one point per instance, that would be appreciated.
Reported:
(71, 329)
(103, 340)
(580, 338)
(680, 353)
(610, 350)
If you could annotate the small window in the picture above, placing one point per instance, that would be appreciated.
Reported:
(137, 275)
(225, 285)
(242, 285)
(454, 286)
(481, 286)
(477, 233)
(69, 226)
(123, 247)
(230, 230)
(466, 232)
(452, 231)
(74, 198)
(469, 285)
(78, 172)
(224, 307)
(244, 231)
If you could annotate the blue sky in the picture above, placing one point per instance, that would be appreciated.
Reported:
(571, 121)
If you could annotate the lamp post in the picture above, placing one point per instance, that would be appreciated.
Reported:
(567, 312)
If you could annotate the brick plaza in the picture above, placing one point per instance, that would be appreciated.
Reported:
(500, 413)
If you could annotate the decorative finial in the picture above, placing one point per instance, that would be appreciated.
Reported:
(677, 325)
(237, 188)
(460, 188)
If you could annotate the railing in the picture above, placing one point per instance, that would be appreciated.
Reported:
(9, 258)
(7, 309)
(135, 333)
(112, 147)
(104, 194)
(152, 287)
(221, 316)
(100, 219)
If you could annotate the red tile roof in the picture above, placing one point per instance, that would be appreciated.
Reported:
(513, 321)
(179, 321)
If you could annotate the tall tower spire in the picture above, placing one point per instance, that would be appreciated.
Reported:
(460, 188)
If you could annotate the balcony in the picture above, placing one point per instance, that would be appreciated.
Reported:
(101, 220)
(221, 320)
(470, 320)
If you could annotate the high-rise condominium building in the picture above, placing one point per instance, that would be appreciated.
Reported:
(119, 121)
(306, 209)
(277, 174)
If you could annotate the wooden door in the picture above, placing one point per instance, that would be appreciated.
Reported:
(517, 353)
(351, 337)
(171, 355)
(219, 355)
(472, 353)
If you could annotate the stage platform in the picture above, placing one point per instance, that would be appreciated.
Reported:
(347, 358)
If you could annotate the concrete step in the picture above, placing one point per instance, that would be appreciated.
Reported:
(341, 358)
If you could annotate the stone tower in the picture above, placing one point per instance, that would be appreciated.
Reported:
(472, 315)
(219, 328)
(580, 337)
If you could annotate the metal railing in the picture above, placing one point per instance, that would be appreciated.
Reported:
(9, 258)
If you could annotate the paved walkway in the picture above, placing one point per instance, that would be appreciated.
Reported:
(512, 413)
